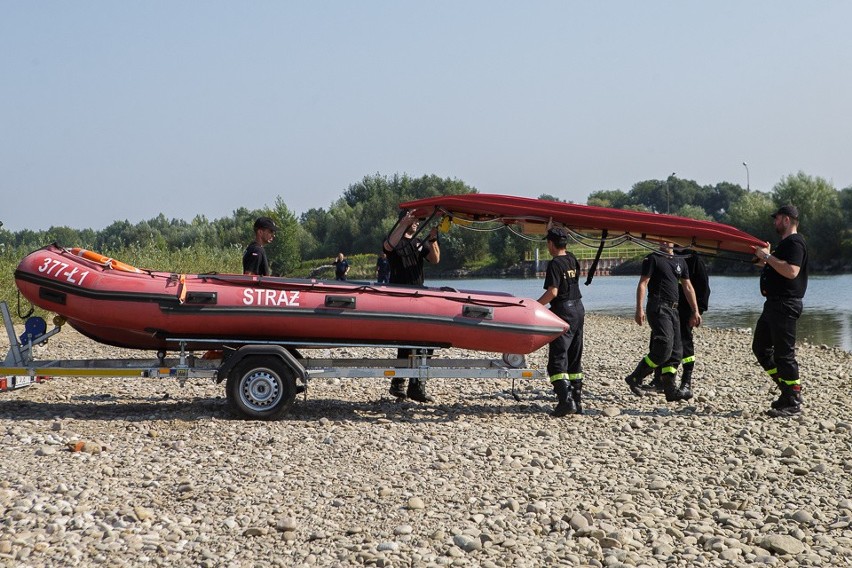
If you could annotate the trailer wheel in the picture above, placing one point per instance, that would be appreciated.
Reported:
(261, 388)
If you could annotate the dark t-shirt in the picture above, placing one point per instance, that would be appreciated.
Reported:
(665, 272)
(255, 261)
(406, 261)
(340, 267)
(563, 273)
(794, 251)
(382, 267)
(700, 282)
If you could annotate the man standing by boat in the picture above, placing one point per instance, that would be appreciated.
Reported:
(565, 353)
(254, 259)
(661, 273)
(783, 282)
(341, 267)
(382, 268)
(406, 254)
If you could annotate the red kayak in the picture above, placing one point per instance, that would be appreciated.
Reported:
(706, 237)
(117, 304)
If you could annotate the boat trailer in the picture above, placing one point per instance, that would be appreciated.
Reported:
(262, 379)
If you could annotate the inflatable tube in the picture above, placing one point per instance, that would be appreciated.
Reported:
(105, 260)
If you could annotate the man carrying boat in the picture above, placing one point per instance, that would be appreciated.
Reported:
(565, 353)
(406, 253)
(701, 284)
(783, 283)
(254, 259)
(661, 273)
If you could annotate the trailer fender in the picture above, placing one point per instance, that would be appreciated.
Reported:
(253, 350)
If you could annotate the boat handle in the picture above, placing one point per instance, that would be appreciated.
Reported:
(340, 302)
(479, 312)
(51, 296)
(200, 298)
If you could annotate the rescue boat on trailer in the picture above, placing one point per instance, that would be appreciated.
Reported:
(121, 305)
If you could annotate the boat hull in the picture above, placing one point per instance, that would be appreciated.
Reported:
(707, 237)
(158, 310)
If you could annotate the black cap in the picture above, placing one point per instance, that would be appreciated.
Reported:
(265, 223)
(789, 210)
(558, 236)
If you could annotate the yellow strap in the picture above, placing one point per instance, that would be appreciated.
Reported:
(182, 288)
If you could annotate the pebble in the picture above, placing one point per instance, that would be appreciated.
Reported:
(783, 544)
(416, 503)
(351, 477)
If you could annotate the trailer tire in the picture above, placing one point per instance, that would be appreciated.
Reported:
(261, 388)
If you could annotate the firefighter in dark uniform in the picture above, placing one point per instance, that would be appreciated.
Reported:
(406, 253)
(701, 284)
(783, 282)
(565, 353)
(661, 273)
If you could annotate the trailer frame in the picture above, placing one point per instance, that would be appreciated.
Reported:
(262, 378)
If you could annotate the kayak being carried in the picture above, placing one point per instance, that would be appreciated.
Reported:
(588, 222)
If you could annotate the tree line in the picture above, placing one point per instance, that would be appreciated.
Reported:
(358, 221)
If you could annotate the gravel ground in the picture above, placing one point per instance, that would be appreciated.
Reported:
(165, 475)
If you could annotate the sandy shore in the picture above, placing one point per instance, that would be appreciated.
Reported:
(168, 477)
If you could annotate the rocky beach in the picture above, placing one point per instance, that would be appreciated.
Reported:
(131, 472)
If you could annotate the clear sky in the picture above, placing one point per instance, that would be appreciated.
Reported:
(125, 110)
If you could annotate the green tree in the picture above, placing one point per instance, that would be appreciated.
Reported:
(820, 214)
(507, 248)
(716, 200)
(694, 212)
(750, 213)
(846, 239)
(283, 251)
(359, 221)
(615, 199)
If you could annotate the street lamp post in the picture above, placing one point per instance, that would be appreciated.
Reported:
(748, 182)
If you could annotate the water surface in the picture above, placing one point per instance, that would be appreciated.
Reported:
(735, 301)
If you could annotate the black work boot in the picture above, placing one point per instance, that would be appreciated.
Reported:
(669, 387)
(685, 388)
(397, 388)
(577, 395)
(656, 385)
(781, 400)
(417, 391)
(565, 404)
(634, 379)
(789, 404)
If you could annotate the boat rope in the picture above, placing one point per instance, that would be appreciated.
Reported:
(594, 266)
(29, 312)
(587, 240)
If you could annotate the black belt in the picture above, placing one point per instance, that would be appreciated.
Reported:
(659, 302)
(781, 298)
(566, 304)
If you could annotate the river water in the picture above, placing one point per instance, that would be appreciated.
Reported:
(735, 301)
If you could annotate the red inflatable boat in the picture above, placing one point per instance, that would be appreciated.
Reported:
(117, 304)
(706, 237)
